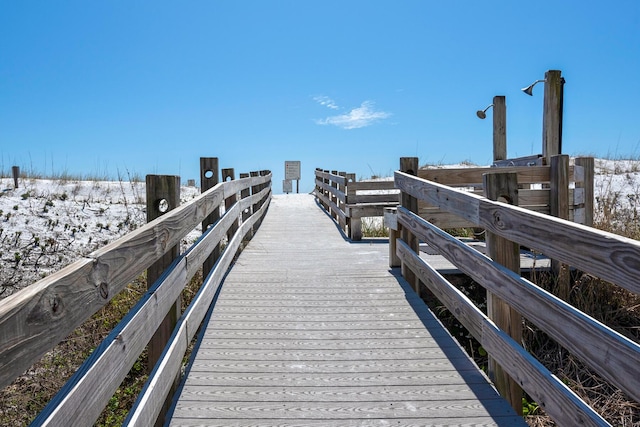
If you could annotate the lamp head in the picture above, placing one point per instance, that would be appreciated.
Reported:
(529, 89)
(482, 114)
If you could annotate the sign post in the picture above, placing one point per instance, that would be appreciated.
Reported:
(292, 172)
(286, 186)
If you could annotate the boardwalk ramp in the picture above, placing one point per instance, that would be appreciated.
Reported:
(312, 330)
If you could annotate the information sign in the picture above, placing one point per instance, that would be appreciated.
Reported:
(292, 169)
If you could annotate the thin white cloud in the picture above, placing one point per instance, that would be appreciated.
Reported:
(360, 117)
(326, 101)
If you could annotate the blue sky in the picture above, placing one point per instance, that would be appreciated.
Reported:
(150, 86)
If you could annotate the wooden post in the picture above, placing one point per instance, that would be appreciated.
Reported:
(499, 128)
(264, 198)
(391, 221)
(255, 189)
(209, 179)
(341, 204)
(355, 233)
(326, 193)
(15, 170)
(163, 195)
(349, 198)
(355, 222)
(318, 188)
(334, 198)
(263, 186)
(243, 195)
(586, 185)
(552, 115)
(229, 174)
(409, 165)
(559, 207)
(504, 187)
(559, 181)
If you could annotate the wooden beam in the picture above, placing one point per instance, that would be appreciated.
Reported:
(559, 207)
(246, 213)
(228, 174)
(15, 170)
(255, 189)
(504, 187)
(473, 176)
(409, 166)
(163, 195)
(552, 114)
(499, 128)
(209, 179)
(586, 185)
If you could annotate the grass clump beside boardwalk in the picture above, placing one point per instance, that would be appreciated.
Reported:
(374, 227)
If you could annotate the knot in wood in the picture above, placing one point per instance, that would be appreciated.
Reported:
(56, 304)
(164, 240)
(103, 289)
(497, 220)
(49, 307)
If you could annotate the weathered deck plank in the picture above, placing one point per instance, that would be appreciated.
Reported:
(311, 330)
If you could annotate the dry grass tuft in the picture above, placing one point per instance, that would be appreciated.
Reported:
(374, 227)
(611, 305)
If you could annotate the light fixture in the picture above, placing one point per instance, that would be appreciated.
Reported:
(482, 114)
(162, 205)
(529, 89)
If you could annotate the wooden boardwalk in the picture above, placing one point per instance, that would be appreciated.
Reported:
(312, 330)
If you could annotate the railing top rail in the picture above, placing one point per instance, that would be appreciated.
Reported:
(340, 179)
(473, 175)
(379, 185)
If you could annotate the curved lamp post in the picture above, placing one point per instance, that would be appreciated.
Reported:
(482, 114)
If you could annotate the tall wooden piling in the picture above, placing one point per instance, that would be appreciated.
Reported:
(409, 165)
(504, 187)
(499, 128)
(209, 179)
(163, 195)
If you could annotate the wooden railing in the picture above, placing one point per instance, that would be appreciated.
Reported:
(35, 319)
(562, 190)
(608, 256)
(348, 200)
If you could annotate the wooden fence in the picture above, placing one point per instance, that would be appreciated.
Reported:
(348, 200)
(608, 256)
(35, 319)
(559, 189)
